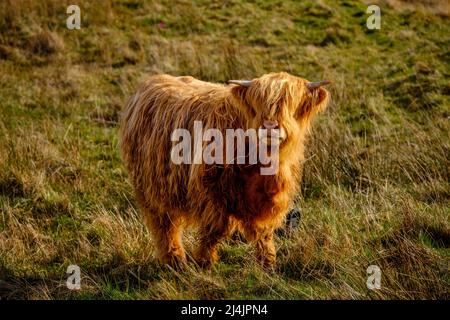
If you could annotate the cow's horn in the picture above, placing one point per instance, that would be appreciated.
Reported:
(244, 83)
(318, 84)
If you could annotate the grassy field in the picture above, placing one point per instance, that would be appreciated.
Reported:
(376, 186)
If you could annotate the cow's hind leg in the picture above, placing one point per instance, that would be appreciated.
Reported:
(166, 230)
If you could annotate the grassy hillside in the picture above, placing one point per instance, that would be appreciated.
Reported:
(376, 186)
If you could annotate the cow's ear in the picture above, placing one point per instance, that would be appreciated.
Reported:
(239, 92)
(316, 100)
(320, 98)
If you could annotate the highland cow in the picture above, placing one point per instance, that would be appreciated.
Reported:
(217, 199)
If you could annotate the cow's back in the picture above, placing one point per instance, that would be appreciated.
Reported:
(161, 105)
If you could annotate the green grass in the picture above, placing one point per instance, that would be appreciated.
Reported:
(376, 185)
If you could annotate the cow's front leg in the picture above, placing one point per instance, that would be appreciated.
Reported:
(212, 232)
(265, 250)
(265, 247)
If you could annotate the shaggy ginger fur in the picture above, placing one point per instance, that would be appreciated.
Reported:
(216, 198)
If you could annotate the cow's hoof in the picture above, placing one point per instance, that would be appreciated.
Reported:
(175, 262)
